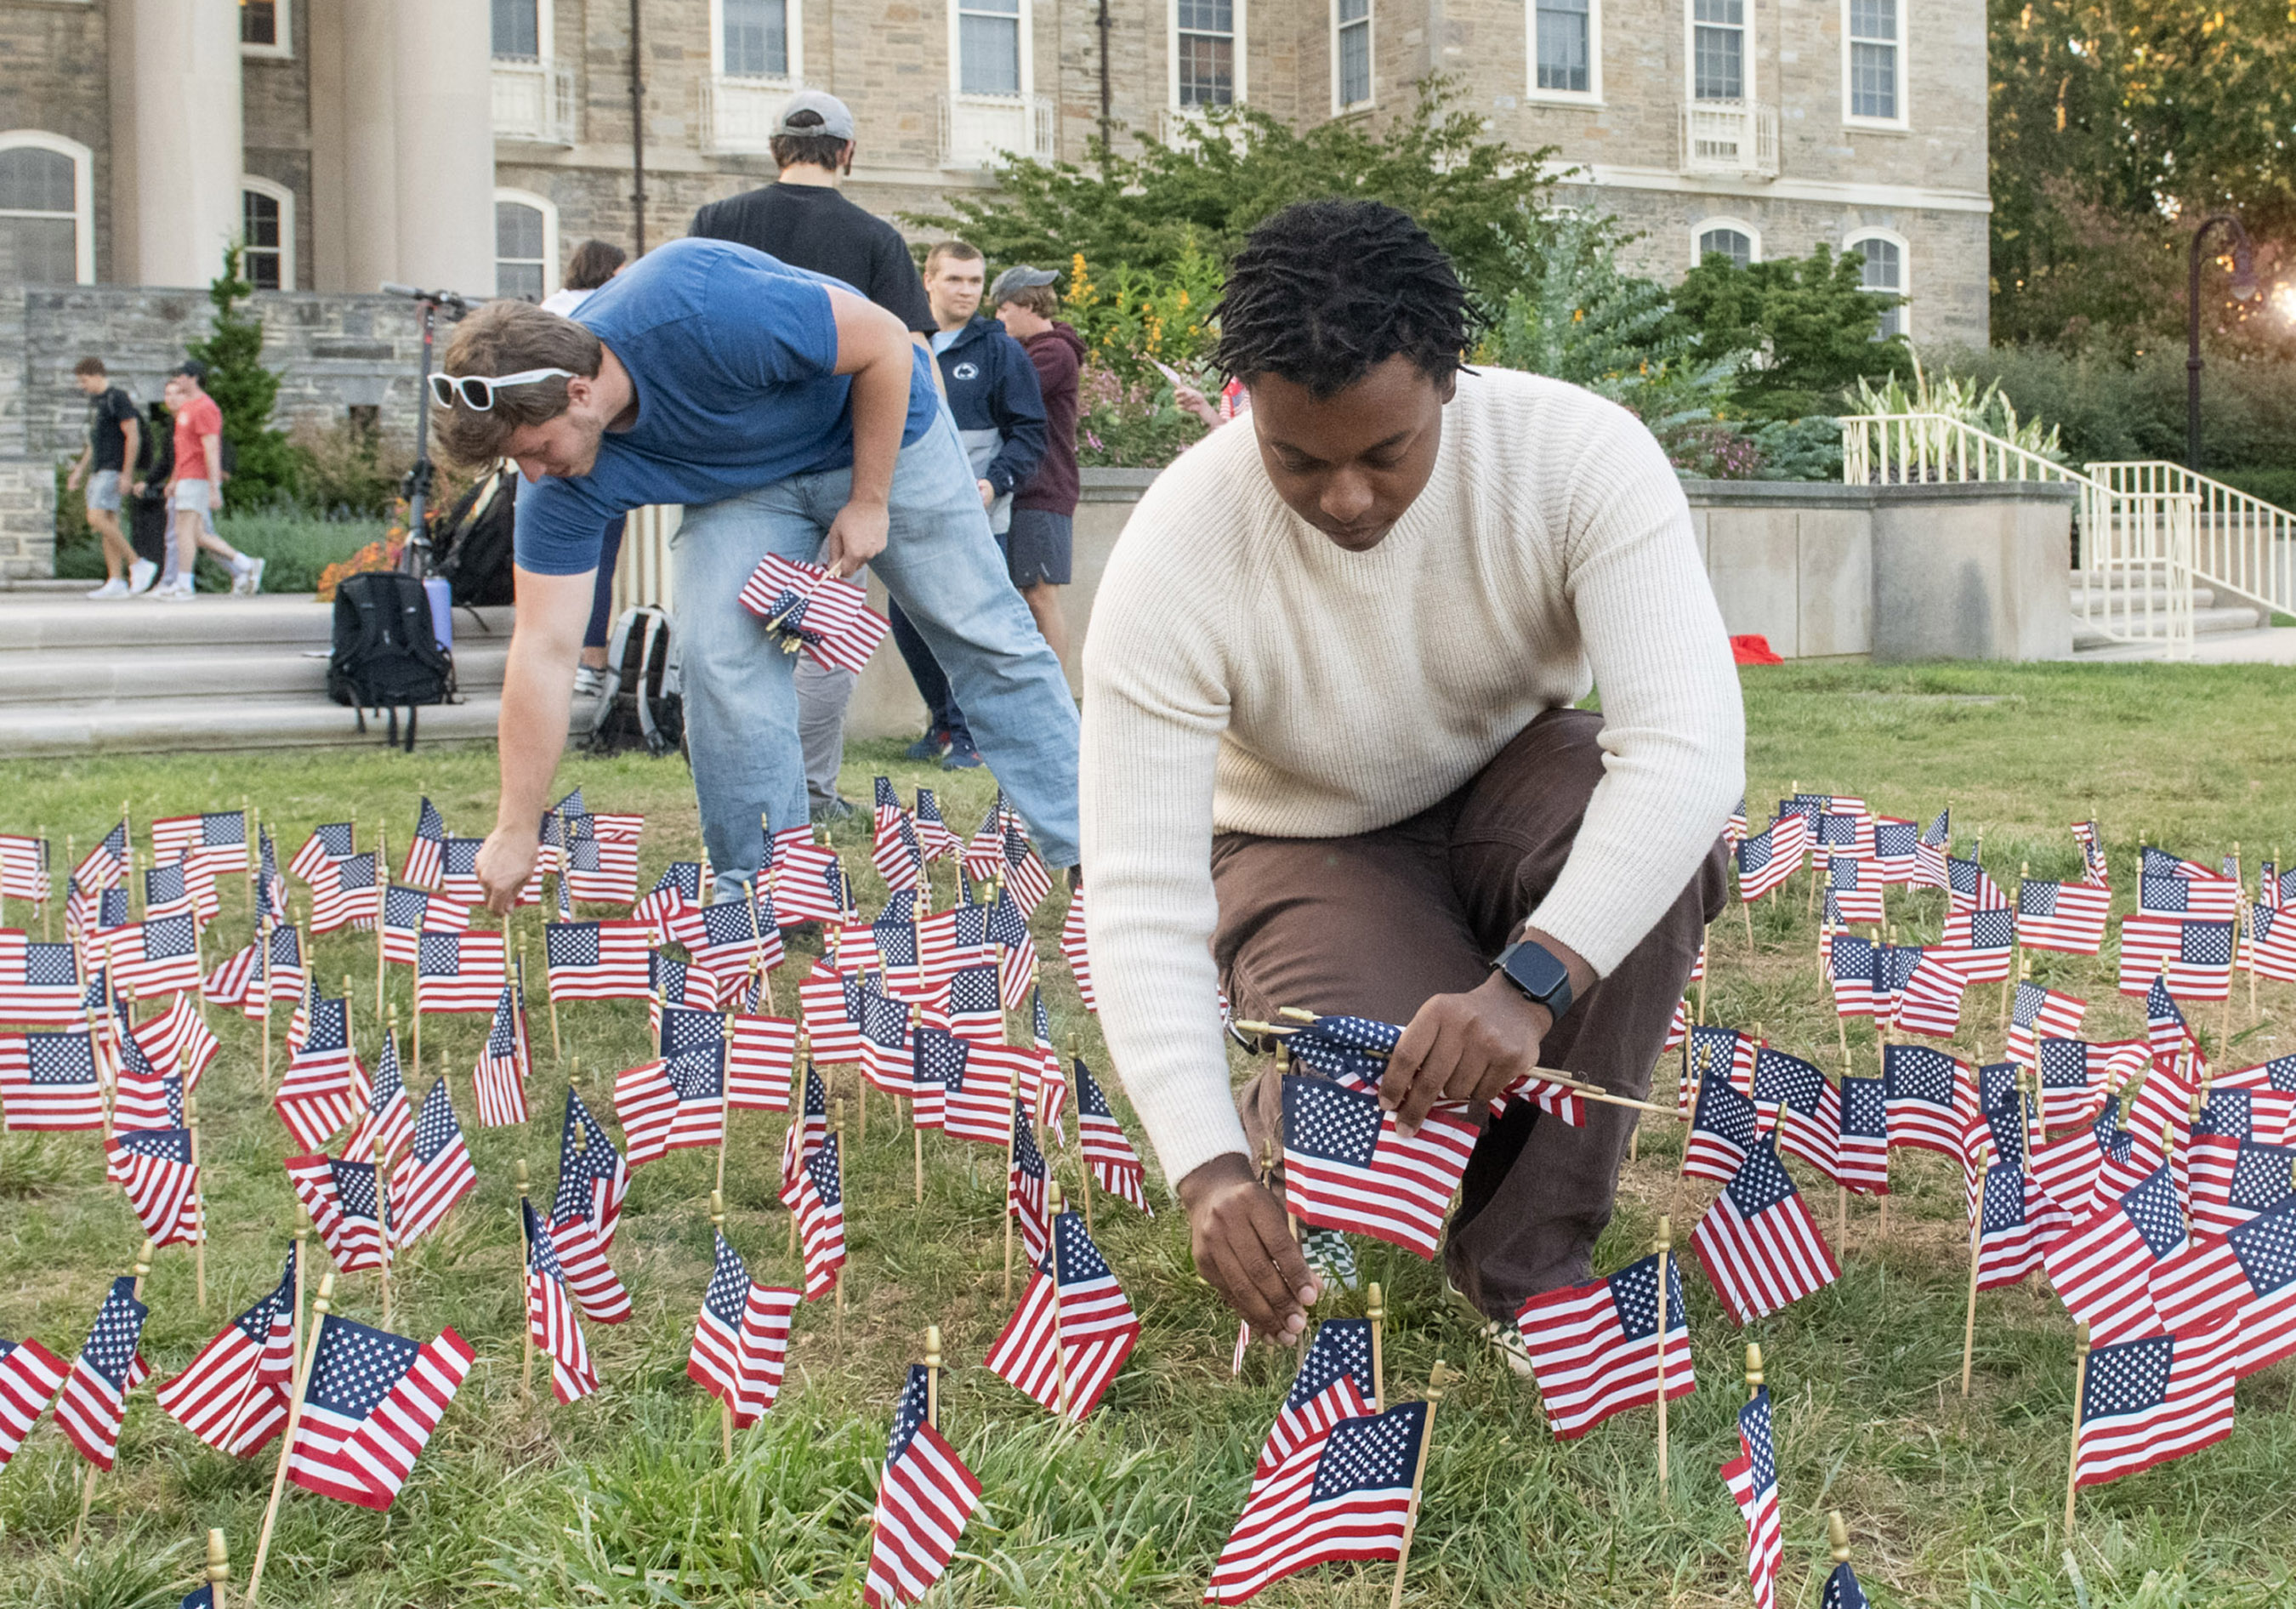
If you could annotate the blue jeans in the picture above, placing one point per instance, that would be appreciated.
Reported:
(942, 565)
(943, 712)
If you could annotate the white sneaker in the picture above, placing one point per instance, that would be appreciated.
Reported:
(113, 588)
(180, 592)
(589, 680)
(255, 576)
(141, 574)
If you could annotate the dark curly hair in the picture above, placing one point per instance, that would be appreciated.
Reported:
(1324, 291)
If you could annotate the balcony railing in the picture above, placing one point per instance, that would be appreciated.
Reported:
(739, 115)
(1736, 137)
(534, 101)
(976, 131)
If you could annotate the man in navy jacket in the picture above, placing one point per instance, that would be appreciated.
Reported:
(1000, 418)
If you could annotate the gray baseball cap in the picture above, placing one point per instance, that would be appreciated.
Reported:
(1020, 276)
(836, 118)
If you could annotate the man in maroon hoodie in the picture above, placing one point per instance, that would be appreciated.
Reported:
(1044, 511)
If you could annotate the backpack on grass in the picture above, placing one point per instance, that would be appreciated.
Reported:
(386, 650)
(641, 705)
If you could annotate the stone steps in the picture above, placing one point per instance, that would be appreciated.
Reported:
(216, 673)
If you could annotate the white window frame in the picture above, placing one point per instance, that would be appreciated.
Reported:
(83, 161)
(284, 50)
(546, 33)
(1368, 22)
(552, 269)
(1705, 224)
(956, 90)
(1903, 120)
(1905, 307)
(1242, 35)
(286, 197)
(1592, 96)
(1748, 60)
(796, 73)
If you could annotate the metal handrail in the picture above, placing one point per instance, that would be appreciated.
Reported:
(2242, 544)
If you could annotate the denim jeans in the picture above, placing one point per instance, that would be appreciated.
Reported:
(942, 565)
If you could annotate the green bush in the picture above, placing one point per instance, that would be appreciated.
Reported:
(346, 470)
(263, 465)
(1131, 425)
(297, 543)
(1810, 322)
(2273, 485)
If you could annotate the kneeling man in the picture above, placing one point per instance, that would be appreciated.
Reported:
(1332, 760)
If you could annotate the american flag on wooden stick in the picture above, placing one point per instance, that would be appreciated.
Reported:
(740, 1339)
(1770, 856)
(831, 1001)
(2068, 917)
(2234, 1175)
(1969, 887)
(1108, 1151)
(1346, 1166)
(426, 852)
(369, 1406)
(48, 1081)
(1758, 1243)
(2095, 867)
(325, 1089)
(2245, 1282)
(1339, 1356)
(592, 1177)
(142, 1096)
(1074, 951)
(1808, 1121)
(1724, 1124)
(551, 1323)
(925, 1496)
(330, 842)
(1343, 1494)
(340, 1194)
(679, 887)
(154, 1167)
(1861, 1157)
(816, 1197)
(345, 893)
(1932, 1096)
(1595, 1347)
(1024, 1188)
(596, 960)
(94, 1396)
(804, 604)
(2038, 1012)
(40, 982)
(458, 971)
(2197, 954)
(1073, 1329)
(1752, 1478)
(602, 870)
(672, 1104)
(234, 1396)
(2151, 1398)
(434, 1174)
(408, 913)
(216, 839)
(30, 1375)
(387, 1127)
(24, 868)
(154, 957)
(895, 851)
(2103, 1266)
(1849, 966)
(499, 1078)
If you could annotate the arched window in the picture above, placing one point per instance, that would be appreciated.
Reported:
(266, 234)
(47, 234)
(1739, 241)
(526, 245)
(1885, 275)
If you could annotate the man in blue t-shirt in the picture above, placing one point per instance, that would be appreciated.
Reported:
(789, 415)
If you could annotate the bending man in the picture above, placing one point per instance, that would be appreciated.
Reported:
(789, 415)
(1332, 759)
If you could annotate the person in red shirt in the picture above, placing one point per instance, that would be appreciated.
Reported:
(195, 487)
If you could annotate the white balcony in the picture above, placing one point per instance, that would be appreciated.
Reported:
(1735, 137)
(739, 115)
(534, 102)
(979, 131)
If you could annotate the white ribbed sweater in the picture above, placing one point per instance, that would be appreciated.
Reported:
(1245, 674)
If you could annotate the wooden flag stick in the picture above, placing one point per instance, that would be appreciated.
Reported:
(724, 1097)
(252, 831)
(1375, 1309)
(1976, 1245)
(1060, 1343)
(1837, 1536)
(2080, 1386)
(382, 899)
(2016, 950)
(724, 1408)
(837, 1128)
(1435, 1379)
(263, 956)
(198, 1200)
(1551, 1075)
(218, 1570)
(2224, 1017)
(1012, 1122)
(87, 1488)
(526, 1354)
(1747, 906)
(1664, 1247)
(917, 1130)
(932, 1376)
(382, 1216)
(319, 1307)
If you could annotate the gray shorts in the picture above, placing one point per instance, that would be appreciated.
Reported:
(1039, 548)
(103, 492)
(189, 498)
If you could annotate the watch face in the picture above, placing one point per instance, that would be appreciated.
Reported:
(1537, 971)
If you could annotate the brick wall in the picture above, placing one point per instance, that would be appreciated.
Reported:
(53, 77)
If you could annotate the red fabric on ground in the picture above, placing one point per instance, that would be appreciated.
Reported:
(1753, 651)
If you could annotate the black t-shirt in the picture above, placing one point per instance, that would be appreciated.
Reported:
(812, 227)
(105, 411)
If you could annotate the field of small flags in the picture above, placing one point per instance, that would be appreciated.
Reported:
(600, 1357)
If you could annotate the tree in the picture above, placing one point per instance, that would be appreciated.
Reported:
(1240, 165)
(264, 464)
(1809, 322)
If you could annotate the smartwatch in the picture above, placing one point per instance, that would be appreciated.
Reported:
(1536, 970)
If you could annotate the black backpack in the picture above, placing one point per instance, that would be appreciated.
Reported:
(471, 546)
(386, 650)
(640, 706)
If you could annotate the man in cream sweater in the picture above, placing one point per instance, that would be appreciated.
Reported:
(1330, 757)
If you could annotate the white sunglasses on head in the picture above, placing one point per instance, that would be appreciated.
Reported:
(477, 392)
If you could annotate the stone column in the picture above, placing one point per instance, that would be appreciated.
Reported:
(445, 145)
(183, 118)
(370, 143)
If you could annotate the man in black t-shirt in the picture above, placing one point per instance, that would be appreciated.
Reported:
(113, 435)
(803, 219)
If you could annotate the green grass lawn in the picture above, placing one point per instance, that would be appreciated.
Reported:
(625, 1498)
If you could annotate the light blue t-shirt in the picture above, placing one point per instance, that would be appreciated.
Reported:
(733, 356)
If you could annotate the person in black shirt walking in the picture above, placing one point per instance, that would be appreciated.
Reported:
(113, 431)
(803, 219)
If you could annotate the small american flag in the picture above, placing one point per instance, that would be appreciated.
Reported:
(270, 887)
(1770, 856)
(1930, 854)
(433, 1175)
(1346, 1166)
(1346, 1493)
(602, 870)
(1724, 1125)
(2103, 1265)
(40, 982)
(325, 1089)
(2014, 1221)
(1896, 841)
(2064, 916)
(144, 1097)
(347, 893)
(984, 851)
(106, 865)
(216, 840)
(369, 1406)
(2268, 943)
(1074, 951)
(1073, 1329)
(2074, 1074)
(676, 889)
(94, 1397)
(154, 1167)
(897, 855)
(499, 1078)
(1969, 887)
(831, 1004)
(426, 852)
(1108, 1151)
(1808, 1110)
(1024, 1188)
(30, 1375)
(2233, 1175)
(816, 1197)
(23, 869)
(329, 843)
(1758, 1243)
(809, 880)
(48, 1082)
(387, 1127)
(1051, 1090)
(1862, 1144)
(228, 1398)
(981, 1096)
(933, 834)
(592, 1177)
(1851, 966)
(180, 888)
(1735, 828)
(341, 1196)
(923, 1499)
(1983, 942)
(2151, 1398)
(408, 913)
(807, 1128)
(807, 606)
(1340, 1356)
(1022, 874)
(671, 1103)
(2197, 954)
(973, 1005)
(1016, 958)
(2165, 1029)
(1932, 1096)
(883, 1023)
(2039, 1012)
(551, 1323)
(740, 1339)
(458, 971)
(2095, 867)
(1752, 1478)
(2244, 1283)
(672, 982)
(1853, 891)
(1595, 1347)
(154, 957)
(1929, 999)
(2175, 887)
(732, 938)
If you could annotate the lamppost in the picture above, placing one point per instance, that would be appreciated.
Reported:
(2243, 287)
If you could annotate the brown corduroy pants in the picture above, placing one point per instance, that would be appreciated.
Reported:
(1376, 924)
